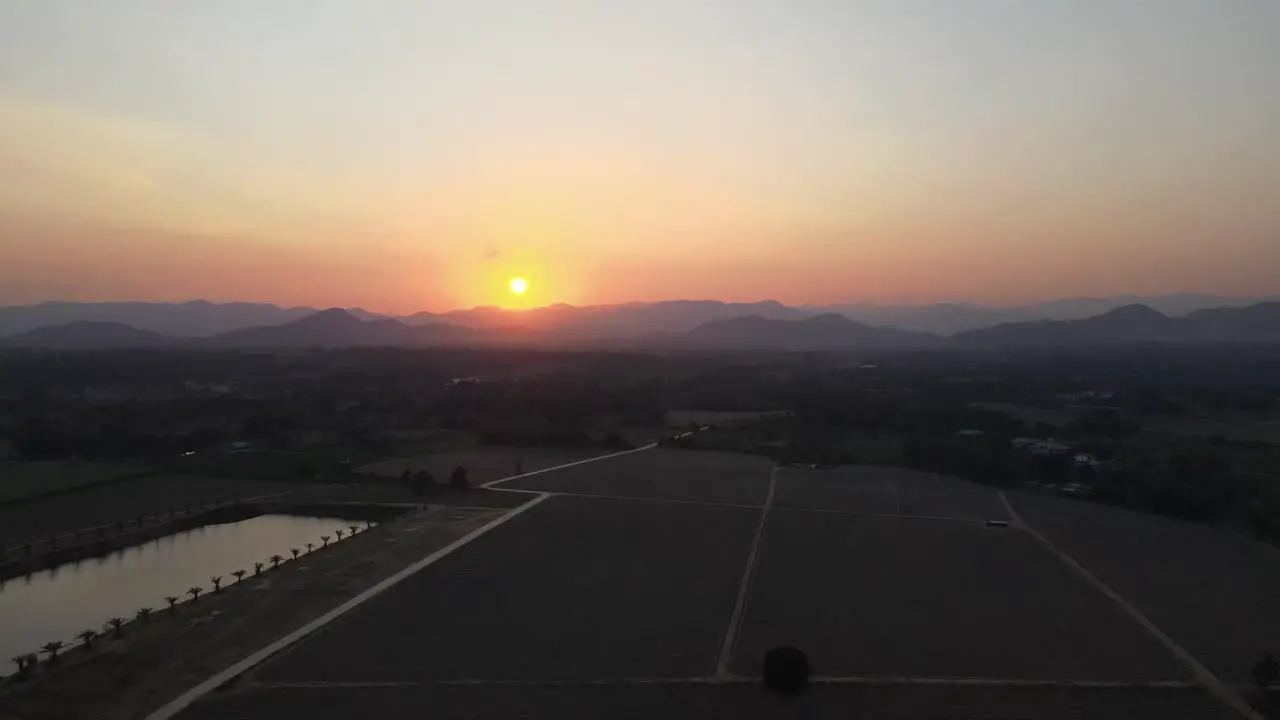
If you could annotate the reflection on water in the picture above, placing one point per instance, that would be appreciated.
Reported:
(56, 604)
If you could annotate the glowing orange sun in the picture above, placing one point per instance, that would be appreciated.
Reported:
(519, 285)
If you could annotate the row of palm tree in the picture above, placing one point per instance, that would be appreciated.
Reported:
(27, 662)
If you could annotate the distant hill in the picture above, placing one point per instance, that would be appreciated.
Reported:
(339, 328)
(1256, 323)
(86, 335)
(197, 318)
(953, 318)
(828, 331)
(1138, 324)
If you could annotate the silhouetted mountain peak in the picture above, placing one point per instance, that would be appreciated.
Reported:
(1135, 312)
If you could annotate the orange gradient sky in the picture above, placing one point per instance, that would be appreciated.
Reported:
(407, 155)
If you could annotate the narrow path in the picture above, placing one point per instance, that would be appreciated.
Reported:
(740, 602)
(1204, 675)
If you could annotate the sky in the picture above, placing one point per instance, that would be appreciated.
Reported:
(404, 155)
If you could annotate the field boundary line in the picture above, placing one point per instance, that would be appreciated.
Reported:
(183, 701)
(493, 483)
(740, 602)
(1204, 675)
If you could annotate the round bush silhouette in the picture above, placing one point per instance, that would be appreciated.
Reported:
(786, 670)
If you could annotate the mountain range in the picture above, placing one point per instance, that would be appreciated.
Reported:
(200, 318)
(691, 325)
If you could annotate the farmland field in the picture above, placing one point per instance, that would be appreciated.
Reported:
(575, 589)
(22, 480)
(663, 474)
(892, 490)
(1265, 431)
(43, 517)
(621, 605)
(1028, 413)
(483, 464)
(685, 418)
(1216, 594)
(925, 598)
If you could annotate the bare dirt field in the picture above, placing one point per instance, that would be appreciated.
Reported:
(926, 598)
(57, 514)
(574, 589)
(684, 475)
(703, 701)
(1216, 594)
(892, 490)
(621, 604)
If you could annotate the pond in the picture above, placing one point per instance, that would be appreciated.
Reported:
(56, 604)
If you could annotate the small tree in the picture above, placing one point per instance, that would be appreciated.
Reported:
(276, 560)
(458, 479)
(142, 615)
(257, 568)
(217, 583)
(239, 575)
(294, 552)
(339, 532)
(194, 592)
(116, 624)
(173, 602)
(325, 540)
(52, 649)
(309, 546)
(26, 663)
(354, 529)
(86, 638)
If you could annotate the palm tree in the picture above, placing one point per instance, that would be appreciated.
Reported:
(115, 624)
(239, 575)
(142, 615)
(325, 540)
(257, 568)
(195, 593)
(354, 529)
(217, 582)
(86, 638)
(276, 560)
(309, 546)
(173, 601)
(295, 552)
(52, 649)
(339, 533)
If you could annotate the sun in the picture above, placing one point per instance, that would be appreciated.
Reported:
(519, 285)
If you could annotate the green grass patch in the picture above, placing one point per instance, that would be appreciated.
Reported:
(22, 480)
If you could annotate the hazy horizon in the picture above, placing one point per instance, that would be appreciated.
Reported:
(402, 156)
